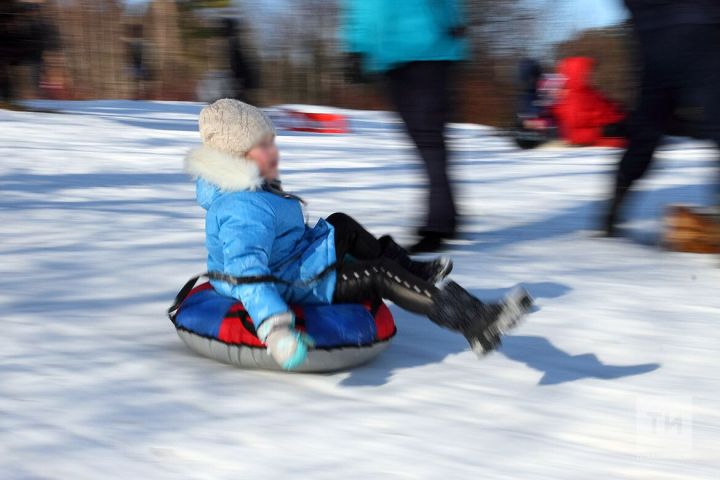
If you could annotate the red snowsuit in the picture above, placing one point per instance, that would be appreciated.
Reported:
(581, 110)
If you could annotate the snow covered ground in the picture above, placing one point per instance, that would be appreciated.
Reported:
(615, 376)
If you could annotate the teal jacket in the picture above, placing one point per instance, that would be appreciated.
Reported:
(388, 33)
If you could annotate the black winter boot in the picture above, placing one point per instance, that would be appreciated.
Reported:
(612, 214)
(431, 270)
(451, 307)
(482, 324)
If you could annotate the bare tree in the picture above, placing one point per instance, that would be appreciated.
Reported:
(91, 39)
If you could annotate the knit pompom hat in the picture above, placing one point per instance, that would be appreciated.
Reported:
(233, 127)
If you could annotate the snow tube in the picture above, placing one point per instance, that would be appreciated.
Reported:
(346, 335)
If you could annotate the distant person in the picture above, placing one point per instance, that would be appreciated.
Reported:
(529, 74)
(230, 72)
(55, 80)
(535, 124)
(244, 76)
(585, 116)
(24, 37)
(8, 33)
(42, 38)
(679, 46)
(414, 43)
(136, 46)
(14, 45)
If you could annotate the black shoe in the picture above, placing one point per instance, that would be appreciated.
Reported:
(612, 216)
(500, 318)
(429, 270)
(481, 339)
(482, 324)
(435, 270)
(609, 225)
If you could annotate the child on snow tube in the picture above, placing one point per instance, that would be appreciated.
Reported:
(257, 238)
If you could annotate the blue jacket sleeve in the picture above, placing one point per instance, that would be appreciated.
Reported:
(247, 233)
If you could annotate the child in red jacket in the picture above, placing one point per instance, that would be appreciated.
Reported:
(582, 112)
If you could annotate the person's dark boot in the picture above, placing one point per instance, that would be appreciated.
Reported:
(612, 215)
(609, 223)
(431, 270)
(482, 324)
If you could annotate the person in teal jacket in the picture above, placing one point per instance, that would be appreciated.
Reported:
(265, 255)
(389, 34)
(414, 43)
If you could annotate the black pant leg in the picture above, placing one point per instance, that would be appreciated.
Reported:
(6, 93)
(351, 238)
(698, 80)
(383, 279)
(715, 200)
(652, 116)
(699, 96)
(421, 94)
(638, 157)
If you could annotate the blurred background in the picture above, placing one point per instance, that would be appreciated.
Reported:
(281, 51)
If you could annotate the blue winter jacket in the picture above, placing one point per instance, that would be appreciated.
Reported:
(252, 232)
(389, 33)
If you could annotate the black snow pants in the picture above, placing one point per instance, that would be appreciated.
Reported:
(369, 275)
(680, 94)
(421, 94)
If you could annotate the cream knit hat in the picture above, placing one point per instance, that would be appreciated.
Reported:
(233, 127)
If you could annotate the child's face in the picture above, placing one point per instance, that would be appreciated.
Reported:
(265, 155)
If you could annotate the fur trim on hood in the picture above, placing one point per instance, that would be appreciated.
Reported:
(228, 173)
